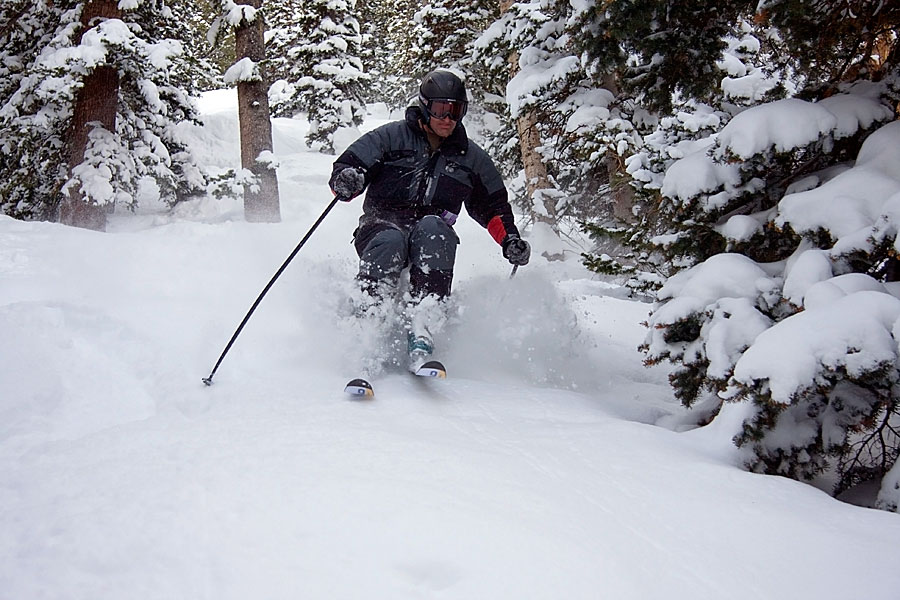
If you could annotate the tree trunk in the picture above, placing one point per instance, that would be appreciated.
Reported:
(262, 205)
(619, 186)
(96, 101)
(536, 177)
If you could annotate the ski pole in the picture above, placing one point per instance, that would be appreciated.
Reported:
(208, 380)
(514, 269)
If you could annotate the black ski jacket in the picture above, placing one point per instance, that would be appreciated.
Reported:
(406, 180)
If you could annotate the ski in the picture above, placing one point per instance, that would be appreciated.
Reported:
(432, 368)
(420, 365)
(359, 388)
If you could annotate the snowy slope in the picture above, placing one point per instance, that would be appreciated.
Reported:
(535, 471)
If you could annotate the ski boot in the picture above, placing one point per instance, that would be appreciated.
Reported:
(419, 348)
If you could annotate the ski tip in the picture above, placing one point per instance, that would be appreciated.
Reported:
(432, 368)
(359, 388)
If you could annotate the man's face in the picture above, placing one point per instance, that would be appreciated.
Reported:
(444, 114)
(442, 127)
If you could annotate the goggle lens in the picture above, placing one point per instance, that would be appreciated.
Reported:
(441, 109)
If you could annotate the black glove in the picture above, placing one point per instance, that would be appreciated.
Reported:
(348, 183)
(516, 250)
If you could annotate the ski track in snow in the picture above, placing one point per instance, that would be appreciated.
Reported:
(533, 472)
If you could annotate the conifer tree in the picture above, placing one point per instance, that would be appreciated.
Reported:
(95, 103)
(660, 48)
(316, 47)
(527, 57)
(248, 74)
(205, 62)
(48, 52)
(33, 168)
(443, 33)
(410, 39)
(385, 28)
(834, 41)
(845, 422)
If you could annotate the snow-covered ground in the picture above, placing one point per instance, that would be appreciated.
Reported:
(538, 470)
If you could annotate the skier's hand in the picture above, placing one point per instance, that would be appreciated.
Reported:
(348, 183)
(516, 250)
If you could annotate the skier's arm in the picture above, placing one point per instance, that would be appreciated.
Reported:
(366, 153)
(489, 202)
(489, 205)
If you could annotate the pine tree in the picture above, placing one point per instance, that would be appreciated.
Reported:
(386, 50)
(410, 39)
(316, 49)
(443, 33)
(33, 168)
(249, 75)
(48, 52)
(205, 62)
(834, 41)
(736, 217)
(95, 103)
(527, 56)
(660, 48)
(177, 72)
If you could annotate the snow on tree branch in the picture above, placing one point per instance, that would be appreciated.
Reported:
(231, 14)
(235, 13)
(268, 158)
(792, 355)
(243, 70)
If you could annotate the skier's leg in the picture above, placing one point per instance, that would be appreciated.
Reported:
(432, 254)
(383, 251)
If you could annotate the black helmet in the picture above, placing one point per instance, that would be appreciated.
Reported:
(443, 85)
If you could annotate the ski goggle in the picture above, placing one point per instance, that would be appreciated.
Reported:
(441, 109)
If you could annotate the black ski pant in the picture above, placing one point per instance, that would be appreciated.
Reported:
(426, 246)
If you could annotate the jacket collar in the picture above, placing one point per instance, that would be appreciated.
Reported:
(457, 143)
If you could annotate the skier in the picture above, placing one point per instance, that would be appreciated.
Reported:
(418, 174)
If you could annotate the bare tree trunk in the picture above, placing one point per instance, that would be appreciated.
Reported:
(536, 177)
(96, 101)
(262, 205)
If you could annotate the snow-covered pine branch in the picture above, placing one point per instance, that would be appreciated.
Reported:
(243, 70)
(813, 353)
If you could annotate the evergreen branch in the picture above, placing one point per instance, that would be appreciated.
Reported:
(13, 20)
